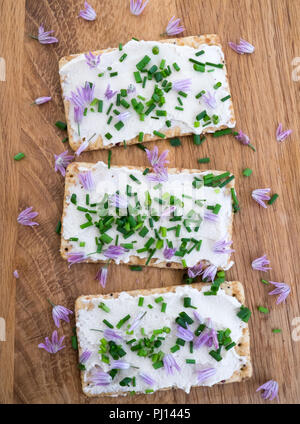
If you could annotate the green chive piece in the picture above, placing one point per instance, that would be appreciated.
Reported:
(144, 62)
(247, 172)
(159, 299)
(135, 179)
(155, 50)
(198, 139)
(136, 268)
(225, 98)
(141, 136)
(265, 282)
(263, 309)
(61, 125)
(200, 53)
(120, 47)
(244, 313)
(175, 141)
(122, 321)
(222, 132)
(203, 160)
(113, 74)
(174, 348)
(217, 85)
(64, 140)
(19, 156)
(141, 301)
(215, 65)
(119, 125)
(108, 136)
(159, 134)
(109, 159)
(103, 307)
(107, 323)
(273, 198)
(123, 57)
(162, 64)
(276, 330)
(226, 181)
(215, 355)
(100, 105)
(163, 307)
(176, 67)
(190, 361)
(58, 228)
(137, 77)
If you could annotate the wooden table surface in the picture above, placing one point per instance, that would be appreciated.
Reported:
(264, 94)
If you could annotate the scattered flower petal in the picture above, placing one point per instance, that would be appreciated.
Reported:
(120, 365)
(222, 246)
(62, 161)
(137, 321)
(42, 100)
(100, 378)
(282, 135)
(170, 364)
(168, 252)
(195, 270)
(78, 114)
(26, 216)
(209, 273)
(85, 356)
(118, 201)
(44, 36)
(123, 116)
(259, 264)
(168, 211)
(182, 85)
(113, 252)
(112, 335)
(174, 27)
(83, 96)
(76, 257)
(82, 148)
(147, 379)
(53, 346)
(260, 195)
(86, 179)
(92, 60)
(137, 6)
(60, 313)
(205, 374)
(88, 13)
(159, 165)
(270, 390)
(101, 276)
(209, 100)
(131, 89)
(210, 216)
(16, 274)
(109, 94)
(185, 333)
(243, 47)
(282, 289)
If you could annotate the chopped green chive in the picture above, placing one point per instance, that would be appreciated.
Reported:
(247, 172)
(107, 323)
(190, 361)
(200, 53)
(219, 133)
(159, 134)
(175, 142)
(141, 301)
(120, 47)
(122, 321)
(141, 136)
(217, 85)
(136, 268)
(199, 139)
(263, 309)
(113, 74)
(163, 307)
(135, 179)
(109, 159)
(100, 105)
(159, 299)
(276, 330)
(61, 125)
(155, 50)
(143, 63)
(137, 77)
(64, 140)
(265, 282)
(58, 228)
(225, 98)
(123, 57)
(204, 160)
(119, 125)
(244, 313)
(109, 109)
(19, 156)
(273, 198)
(215, 65)
(103, 307)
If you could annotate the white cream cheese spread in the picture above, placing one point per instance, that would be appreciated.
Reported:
(217, 312)
(171, 108)
(200, 216)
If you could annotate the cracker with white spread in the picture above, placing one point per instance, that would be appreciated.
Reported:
(179, 223)
(175, 337)
(158, 89)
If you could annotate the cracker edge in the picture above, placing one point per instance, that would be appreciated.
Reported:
(191, 41)
(232, 288)
(72, 173)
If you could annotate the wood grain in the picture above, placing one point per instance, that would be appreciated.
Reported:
(263, 95)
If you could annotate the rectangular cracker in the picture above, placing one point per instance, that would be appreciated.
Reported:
(97, 143)
(242, 347)
(72, 178)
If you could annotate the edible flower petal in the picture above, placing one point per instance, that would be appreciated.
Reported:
(205, 374)
(174, 27)
(53, 346)
(86, 179)
(259, 264)
(170, 364)
(137, 6)
(243, 47)
(270, 390)
(75, 258)
(222, 246)
(282, 135)
(88, 13)
(101, 276)
(282, 289)
(113, 252)
(26, 216)
(62, 161)
(44, 36)
(260, 195)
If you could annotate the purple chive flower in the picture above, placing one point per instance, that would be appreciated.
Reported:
(137, 321)
(222, 246)
(259, 264)
(201, 340)
(137, 6)
(209, 273)
(270, 390)
(120, 365)
(85, 356)
(16, 274)
(109, 94)
(55, 345)
(92, 60)
(170, 363)
(168, 211)
(101, 276)
(205, 374)
(214, 338)
(118, 201)
(99, 377)
(147, 379)
(260, 195)
(60, 313)
(62, 161)
(210, 99)
(83, 96)
(185, 333)
(113, 252)
(244, 139)
(243, 47)
(182, 85)
(44, 36)
(210, 216)
(168, 252)
(42, 100)
(76, 257)
(282, 289)
(123, 116)
(26, 216)
(112, 335)
(82, 148)
(78, 114)
(86, 179)
(88, 13)
(160, 176)
(282, 135)
(195, 270)
(157, 162)
(174, 27)
(198, 317)
(131, 89)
